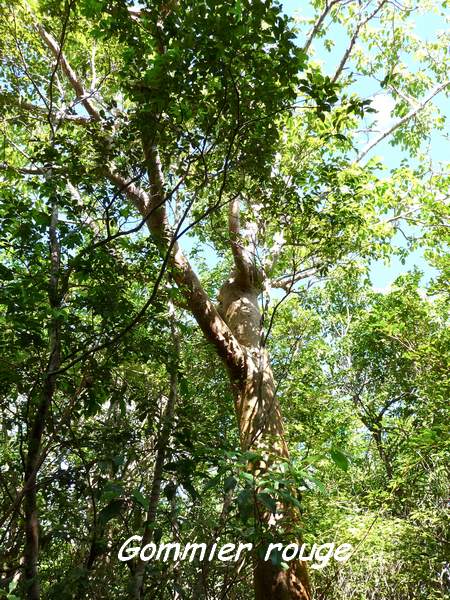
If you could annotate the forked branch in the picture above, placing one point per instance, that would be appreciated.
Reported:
(410, 115)
(152, 209)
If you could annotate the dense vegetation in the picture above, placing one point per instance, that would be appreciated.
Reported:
(192, 345)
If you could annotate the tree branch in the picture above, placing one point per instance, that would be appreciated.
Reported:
(286, 282)
(10, 99)
(358, 28)
(74, 81)
(412, 113)
(152, 208)
(318, 23)
(198, 302)
(241, 259)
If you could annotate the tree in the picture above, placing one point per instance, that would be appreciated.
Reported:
(204, 117)
(384, 361)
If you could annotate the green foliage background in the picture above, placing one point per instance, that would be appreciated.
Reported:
(237, 107)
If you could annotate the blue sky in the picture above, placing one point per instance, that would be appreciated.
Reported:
(426, 26)
(382, 274)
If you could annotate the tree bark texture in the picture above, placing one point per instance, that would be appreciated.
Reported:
(37, 424)
(137, 581)
(234, 329)
(261, 426)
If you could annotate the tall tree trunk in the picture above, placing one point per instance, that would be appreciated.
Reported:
(37, 424)
(232, 332)
(261, 425)
(137, 580)
(377, 436)
(200, 587)
(234, 328)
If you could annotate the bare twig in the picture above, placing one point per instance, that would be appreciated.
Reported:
(412, 113)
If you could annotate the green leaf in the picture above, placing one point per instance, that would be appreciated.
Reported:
(229, 483)
(340, 459)
(245, 504)
(112, 490)
(111, 511)
(276, 557)
(268, 501)
(318, 484)
(212, 482)
(140, 498)
(187, 484)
